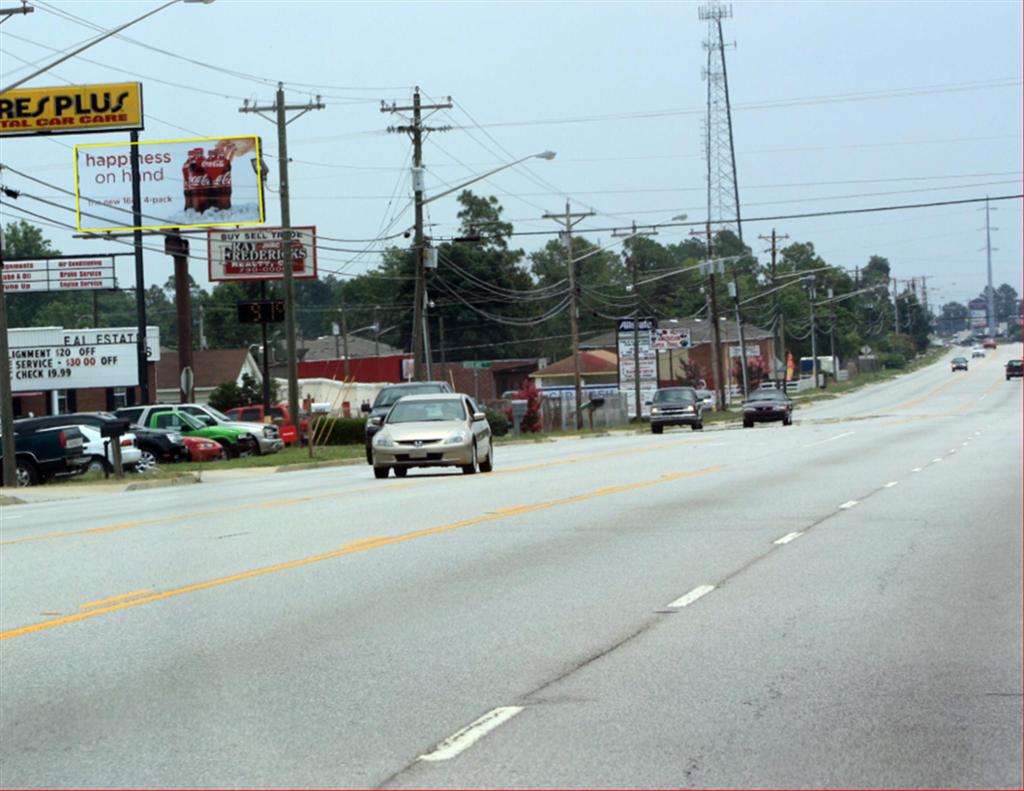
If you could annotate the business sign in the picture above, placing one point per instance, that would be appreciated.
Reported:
(71, 273)
(193, 183)
(71, 109)
(628, 354)
(256, 253)
(52, 358)
(671, 338)
(752, 351)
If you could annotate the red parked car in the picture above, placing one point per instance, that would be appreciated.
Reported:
(278, 414)
(202, 449)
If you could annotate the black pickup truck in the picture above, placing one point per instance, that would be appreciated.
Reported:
(40, 454)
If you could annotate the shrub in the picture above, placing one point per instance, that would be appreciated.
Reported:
(892, 360)
(227, 395)
(497, 421)
(338, 430)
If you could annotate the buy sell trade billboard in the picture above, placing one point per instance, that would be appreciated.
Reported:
(255, 253)
(71, 109)
(194, 183)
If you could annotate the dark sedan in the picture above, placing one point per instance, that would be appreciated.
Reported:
(763, 406)
(1014, 368)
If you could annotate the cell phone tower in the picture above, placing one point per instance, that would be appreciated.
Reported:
(723, 187)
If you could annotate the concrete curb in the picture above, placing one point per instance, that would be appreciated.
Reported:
(315, 465)
(182, 480)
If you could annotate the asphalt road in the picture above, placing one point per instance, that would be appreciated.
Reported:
(832, 604)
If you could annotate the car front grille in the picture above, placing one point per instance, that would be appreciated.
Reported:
(417, 443)
(425, 457)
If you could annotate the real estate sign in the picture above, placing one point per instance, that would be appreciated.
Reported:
(257, 253)
(52, 358)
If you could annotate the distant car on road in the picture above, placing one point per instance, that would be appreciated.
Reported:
(763, 406)
(977, 351)
(438, 430)
(1014, 369)
(990, 343)
(958, 364)
(676, 406)
(386, 398)
(706, 398)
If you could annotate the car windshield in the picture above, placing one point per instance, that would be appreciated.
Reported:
(172, 419)
(389, 395)
(426, 411)
(767, 395)
(675, 396)
(216, 413)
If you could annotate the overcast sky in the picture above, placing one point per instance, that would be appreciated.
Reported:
(835, 106)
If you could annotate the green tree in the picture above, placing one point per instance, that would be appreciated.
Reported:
(1006, 303)
(228, 395)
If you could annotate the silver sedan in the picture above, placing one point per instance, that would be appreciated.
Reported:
(436, 430)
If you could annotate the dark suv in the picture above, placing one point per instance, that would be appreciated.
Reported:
(386, 399)
(676, 406)
(1014, 368)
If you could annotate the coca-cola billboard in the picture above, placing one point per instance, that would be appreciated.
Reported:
(183, 184)
(257, 253)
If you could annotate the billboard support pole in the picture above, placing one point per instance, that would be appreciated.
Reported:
(176, 246)
(10, 475)
(140, 280)
(265, 362)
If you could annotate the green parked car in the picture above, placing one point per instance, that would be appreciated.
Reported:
(236, 441)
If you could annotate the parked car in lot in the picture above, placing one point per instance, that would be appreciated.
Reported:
(278, 414)
(101, 452)
(676, 406)
(706, 398)
(202, 449)
(386, 398)
(763, 406)
(236, 441)
(1014, 369)
(433, 430)
(977, 351)
(268, 436)
(43, 452)
(958, 363)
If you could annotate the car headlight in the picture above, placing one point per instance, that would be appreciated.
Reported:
(176, 438)
(687, 408)
(455, 438)
(654, 410)
(269, 432)
(383, 440)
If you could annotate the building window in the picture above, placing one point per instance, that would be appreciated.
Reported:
(62, 402)
(120, 397)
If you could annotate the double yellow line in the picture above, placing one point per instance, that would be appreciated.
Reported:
(117, 603)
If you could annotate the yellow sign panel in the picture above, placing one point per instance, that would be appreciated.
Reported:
(71, 109)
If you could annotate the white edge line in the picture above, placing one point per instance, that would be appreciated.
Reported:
(787, 538)
(848, 504)
(891, 484)
(692, 596)
(476, 730)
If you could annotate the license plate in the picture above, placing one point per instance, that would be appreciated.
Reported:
(417, 453)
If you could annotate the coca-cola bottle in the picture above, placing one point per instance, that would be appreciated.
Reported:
(217, 169)
(190, 173)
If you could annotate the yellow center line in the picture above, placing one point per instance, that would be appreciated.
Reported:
(131, 595)
(194, 515)
(358, 546)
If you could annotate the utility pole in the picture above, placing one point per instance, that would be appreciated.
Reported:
(779, 323)
(280, 110)
(734, 291)
(176, 246)
(710, 268)
(344, 330)
(632, 234)
(140, 275)
(567, 221)
(376, 331)
(895, 306)
(415, 131)
(25, 9)
(813, 295)
(10, 471)
(990, 294)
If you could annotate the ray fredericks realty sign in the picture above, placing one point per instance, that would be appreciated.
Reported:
(256, 254)
(71, 109)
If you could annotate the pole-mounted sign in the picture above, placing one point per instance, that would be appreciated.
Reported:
(71, 109)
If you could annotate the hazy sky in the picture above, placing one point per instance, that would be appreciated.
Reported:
(836, 105)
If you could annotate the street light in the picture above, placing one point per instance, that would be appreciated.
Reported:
(94, 41)
(419, 338)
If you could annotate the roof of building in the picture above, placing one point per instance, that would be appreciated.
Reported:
(211, 367)
(700, 332)
(592, 363)
(331, 347)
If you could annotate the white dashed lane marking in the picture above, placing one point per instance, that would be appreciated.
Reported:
(787, 538)
(936, 460)
(891, 484)
(689, 598)
(473, 732)
(848, 504)
(916, 469)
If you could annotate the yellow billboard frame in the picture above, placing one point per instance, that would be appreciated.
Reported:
(259, 182)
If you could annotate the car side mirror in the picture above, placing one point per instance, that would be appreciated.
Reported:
(479, 416)
(376, 421)
(364, 407)
(648, 403)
